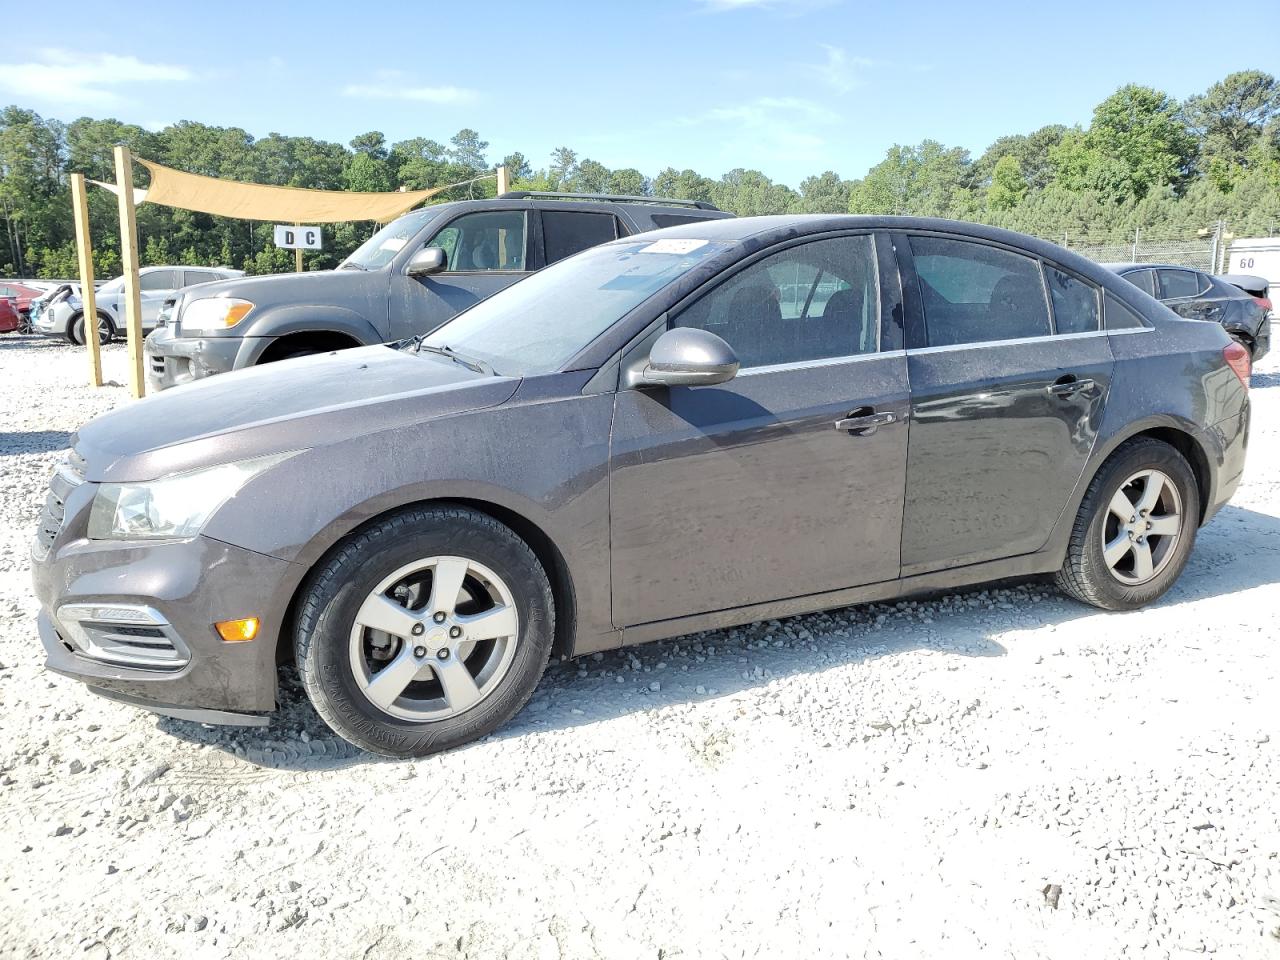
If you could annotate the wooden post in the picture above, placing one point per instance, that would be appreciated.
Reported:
(504, 184)
(129, 261)
(297, 254)
(84, 250)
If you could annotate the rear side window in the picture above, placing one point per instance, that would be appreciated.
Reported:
(973, 293)
(1144, 280)
(566, 232)
(200, 276)
(674, 219)
(1178, 283)
(1121, 316)
(1075, 303)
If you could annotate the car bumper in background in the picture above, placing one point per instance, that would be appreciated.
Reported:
(172, 361)
(1232, 437)
(135, 622)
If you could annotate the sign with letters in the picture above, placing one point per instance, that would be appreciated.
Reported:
(290, 237)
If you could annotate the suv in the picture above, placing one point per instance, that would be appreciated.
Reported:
(408, 278)
(1197, 295)
(62, 314)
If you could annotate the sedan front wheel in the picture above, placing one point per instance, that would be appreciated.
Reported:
(424, 631)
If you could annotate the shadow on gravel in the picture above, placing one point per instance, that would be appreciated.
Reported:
(36, 441)
(1239, 550)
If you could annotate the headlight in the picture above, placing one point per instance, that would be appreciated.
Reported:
(172, 507)
(213, 313)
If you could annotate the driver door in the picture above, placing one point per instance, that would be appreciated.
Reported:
(752, 491)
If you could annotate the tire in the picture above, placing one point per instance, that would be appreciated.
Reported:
(1127, 584)
(340, 657)
(106, 330)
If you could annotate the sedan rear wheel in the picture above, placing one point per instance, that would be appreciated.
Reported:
(1135, 529)
(424, 631)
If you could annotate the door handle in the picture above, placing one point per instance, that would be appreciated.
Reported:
(1069, 387)
(864, 425)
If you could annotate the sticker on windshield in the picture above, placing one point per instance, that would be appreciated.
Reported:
(672, 246)
(394, 244)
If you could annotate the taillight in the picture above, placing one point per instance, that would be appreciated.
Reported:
(1237, 358)
(1263, 302)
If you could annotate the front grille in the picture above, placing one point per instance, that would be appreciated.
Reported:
(68, 475)
(123, 635)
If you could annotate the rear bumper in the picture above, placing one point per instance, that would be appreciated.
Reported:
(172, 361)
(1232, 437)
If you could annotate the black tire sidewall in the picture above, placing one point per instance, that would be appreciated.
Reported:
(352, 574)
(1143, 456)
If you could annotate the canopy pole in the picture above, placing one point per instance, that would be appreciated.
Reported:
(297, 255)
(129, 258)
(88, 299)
(504, 183)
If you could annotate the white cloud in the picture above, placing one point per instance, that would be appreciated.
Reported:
(394, 85)
(767, 128)
(86, 78)
(840, 72)
(768, 113)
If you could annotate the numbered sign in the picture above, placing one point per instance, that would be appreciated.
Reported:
(297, 238)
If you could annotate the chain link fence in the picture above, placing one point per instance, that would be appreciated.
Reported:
(1202, 252)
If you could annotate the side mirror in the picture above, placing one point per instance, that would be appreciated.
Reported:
(425, 261)
(686, 357)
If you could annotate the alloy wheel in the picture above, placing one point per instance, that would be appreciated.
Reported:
(433, 639)
(1142, 528)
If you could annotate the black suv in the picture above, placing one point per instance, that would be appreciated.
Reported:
(410, 277)
(1197, 295)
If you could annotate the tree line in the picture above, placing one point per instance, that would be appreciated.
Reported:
(1144, 162)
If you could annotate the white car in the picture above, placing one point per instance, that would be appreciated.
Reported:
(62, 315)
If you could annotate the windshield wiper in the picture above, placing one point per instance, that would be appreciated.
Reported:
(471, 363)
(352, 265)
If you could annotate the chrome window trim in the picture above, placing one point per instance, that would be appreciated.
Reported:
(1003, 343)
(820, 362)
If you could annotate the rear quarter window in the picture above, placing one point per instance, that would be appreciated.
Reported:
(1120, 316)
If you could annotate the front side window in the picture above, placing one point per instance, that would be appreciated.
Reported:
(809, 302)
(477, 242)
(974, 293)
(158, 280)
(1176, 284)
(566, 232)
(1075, 303)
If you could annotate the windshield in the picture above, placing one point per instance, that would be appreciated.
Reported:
(111, 286)
(536, 325)
(381, 248)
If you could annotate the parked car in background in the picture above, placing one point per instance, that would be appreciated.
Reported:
(1257, 287)
(655, 437)
(408, 278)
(10, 319)
(1197, 295)
(23, 293)
(62, 315)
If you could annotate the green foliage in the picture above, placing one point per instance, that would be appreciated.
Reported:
(1144, 162)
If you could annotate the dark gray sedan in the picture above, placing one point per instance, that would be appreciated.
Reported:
(694, 428)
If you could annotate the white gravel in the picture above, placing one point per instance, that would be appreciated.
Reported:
(1000, 772)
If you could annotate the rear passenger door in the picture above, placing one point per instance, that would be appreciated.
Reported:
(1009, 371)
(1187, 293)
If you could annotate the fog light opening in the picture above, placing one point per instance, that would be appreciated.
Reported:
(237, 631)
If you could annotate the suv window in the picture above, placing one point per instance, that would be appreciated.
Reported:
(492, 240)
(1178, 283)
(199, 276)
(1144, 280)
(158, 280)
(566, 232)
(675, 219)
(974, 293)
(1075, 303)
(808, 302)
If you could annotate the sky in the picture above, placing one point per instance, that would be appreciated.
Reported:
(789, 87)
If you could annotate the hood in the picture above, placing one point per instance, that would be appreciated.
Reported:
(290, 405)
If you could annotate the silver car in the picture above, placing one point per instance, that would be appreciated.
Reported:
(63, 314)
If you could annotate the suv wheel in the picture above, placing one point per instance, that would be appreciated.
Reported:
(106, 330)
(427, 630)
(1135, 528)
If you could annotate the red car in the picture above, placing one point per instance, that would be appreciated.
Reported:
(8, 315)
(23, 293)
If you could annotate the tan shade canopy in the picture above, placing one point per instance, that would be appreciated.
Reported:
(257, 201)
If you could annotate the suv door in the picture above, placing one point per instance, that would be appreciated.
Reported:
(154, 287)
(788, 479)
(1009, 371)
(485, 251)
(566, 232)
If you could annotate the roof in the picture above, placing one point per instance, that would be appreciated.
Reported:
(1121, 267)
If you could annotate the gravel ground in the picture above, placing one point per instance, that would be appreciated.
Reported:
(1000, 772)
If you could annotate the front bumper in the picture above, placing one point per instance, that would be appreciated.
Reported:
(191, 585)
(172, 361)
